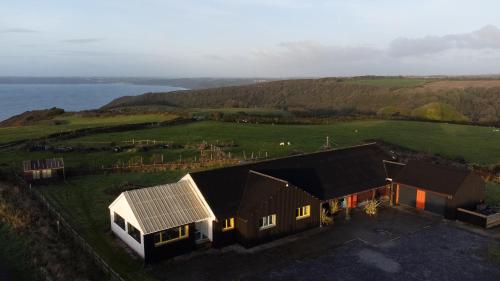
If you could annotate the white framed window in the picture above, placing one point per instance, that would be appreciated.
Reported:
(303, 212)
(134, 232)
(268, 221)
(47, 173)
(118, 220)
(36, 175)
(170, 235)
(228, 224)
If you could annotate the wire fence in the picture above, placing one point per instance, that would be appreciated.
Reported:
(63, 225)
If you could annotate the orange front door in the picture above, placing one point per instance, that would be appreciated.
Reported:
(420, 199)
(352, 201)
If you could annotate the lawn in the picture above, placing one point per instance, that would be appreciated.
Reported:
(392, 82)
(475, 144)
(71, 121)
(85, 200)
(493, 194)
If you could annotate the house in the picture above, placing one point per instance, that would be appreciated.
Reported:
(350, 175)
(257, 202)
(43, 170)
(161, 221)
(437, 188)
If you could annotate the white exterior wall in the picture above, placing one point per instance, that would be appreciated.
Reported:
(122, 208)
(210, 235)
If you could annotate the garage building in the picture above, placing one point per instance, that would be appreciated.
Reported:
(438, 189)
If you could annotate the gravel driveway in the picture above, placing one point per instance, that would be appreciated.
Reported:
(397, 244)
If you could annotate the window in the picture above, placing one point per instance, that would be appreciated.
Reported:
(170, 235)
(46, 173)
(36, 175)
(228, 224)
(134, 232)
(119, 221)
(268, 221)
(303, 212)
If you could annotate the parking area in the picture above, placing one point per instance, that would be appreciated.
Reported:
(397, 244)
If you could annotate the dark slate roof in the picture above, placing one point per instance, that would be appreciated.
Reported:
(53, 163)
(258, 188)
(325, 175)
(392, 169)
(433, 177)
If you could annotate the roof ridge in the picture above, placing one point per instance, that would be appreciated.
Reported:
(269, 176)
(290, 156)
(443, 166)
(394, 162)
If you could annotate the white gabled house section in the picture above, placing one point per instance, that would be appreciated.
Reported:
(121, 207)
(188, 178)
(126, 209)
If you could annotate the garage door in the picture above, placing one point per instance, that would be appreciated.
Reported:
(435, 203)
(407, 196)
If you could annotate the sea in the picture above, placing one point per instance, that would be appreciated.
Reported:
(18, 98)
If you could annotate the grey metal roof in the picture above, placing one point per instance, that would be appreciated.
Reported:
(166, 206)
(53, 163)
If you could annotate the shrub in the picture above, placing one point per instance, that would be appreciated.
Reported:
(371, 207)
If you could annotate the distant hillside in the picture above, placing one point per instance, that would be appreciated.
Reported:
(31, 117)
(434, 99)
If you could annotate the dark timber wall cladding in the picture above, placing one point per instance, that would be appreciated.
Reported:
(469, 194)
(407, 195)
(223, 238)
(284, 204)
(435, 203)
(174, 248)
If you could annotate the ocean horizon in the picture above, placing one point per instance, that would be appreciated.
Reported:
(20, 97)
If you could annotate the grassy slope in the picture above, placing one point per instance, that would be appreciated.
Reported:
(84, 201)
(475, 144)
(439, 112)
(389, 82)
(343, 96)
(13, 255)
(74, 122)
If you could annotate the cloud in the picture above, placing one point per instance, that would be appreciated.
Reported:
(213, 57)
(485, 38)
(83, 40)
(18, 30)
(311, 58)
(315, 51)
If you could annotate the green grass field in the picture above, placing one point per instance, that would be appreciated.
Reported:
(252, 111)
(70, 122)
(85, 200)
(493, 193)
(393, 82)
(473, 143)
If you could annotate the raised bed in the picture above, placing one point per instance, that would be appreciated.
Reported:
(486, 221)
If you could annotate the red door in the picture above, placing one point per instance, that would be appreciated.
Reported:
(352, 201)
(420, 199)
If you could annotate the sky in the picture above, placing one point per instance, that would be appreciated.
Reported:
(248, 38)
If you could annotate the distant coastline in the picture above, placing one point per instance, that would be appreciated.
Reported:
(75, 96)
